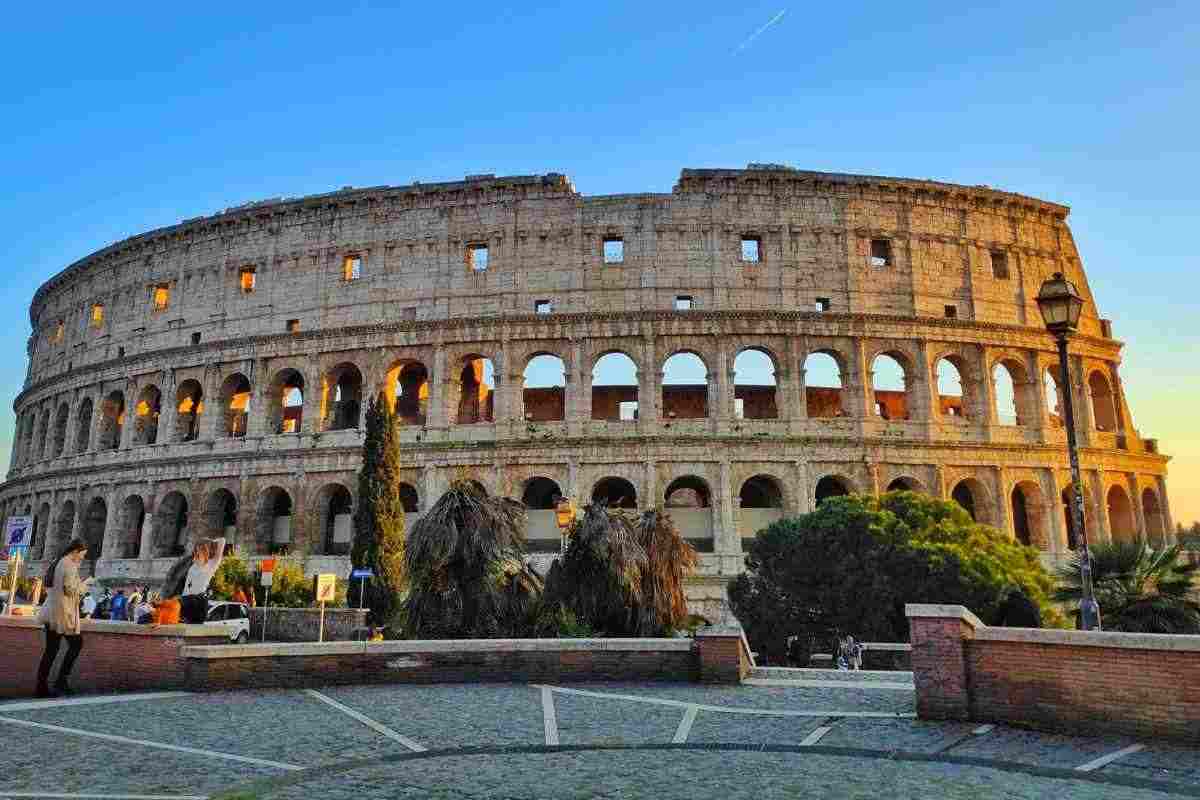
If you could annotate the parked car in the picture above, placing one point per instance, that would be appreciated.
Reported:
(235, 617)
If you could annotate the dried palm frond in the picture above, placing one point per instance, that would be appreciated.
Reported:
(600, 579)
(670, 560)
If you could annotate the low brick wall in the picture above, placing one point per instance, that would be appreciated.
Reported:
(116, 656)
(715, 656)
(1137, 684)
(302, 624)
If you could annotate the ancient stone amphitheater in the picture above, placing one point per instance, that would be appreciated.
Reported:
(737, 350)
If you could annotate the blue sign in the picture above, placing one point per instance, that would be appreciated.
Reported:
(365, 572)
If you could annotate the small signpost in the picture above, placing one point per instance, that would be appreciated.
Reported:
(267, 578)
(324, 590)
(362, 573)
(17, 533)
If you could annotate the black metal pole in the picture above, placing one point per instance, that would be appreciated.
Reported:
(1089, 609)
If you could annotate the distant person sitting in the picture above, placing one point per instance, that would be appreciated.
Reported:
(118, 607)
(88, 605)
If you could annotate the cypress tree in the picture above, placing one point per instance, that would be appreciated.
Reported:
(379, 518)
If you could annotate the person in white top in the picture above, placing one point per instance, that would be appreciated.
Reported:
(59, 617)
(206, 558)
(89, 605)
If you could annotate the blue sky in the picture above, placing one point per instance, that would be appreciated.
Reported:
(125, 117)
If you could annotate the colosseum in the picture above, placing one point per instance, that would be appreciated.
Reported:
(736, 350)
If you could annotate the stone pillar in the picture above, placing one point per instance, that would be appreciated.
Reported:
(939, 482)
(168, 413)
(726, 539)
(650, 499)
(923, 391)
(802, 502)
(438, 378)
(986, 393)
(1139, 511)
(429, 489)
(1004, 504)
(1164, 510)
(572, 487)
(1102, 531)
(314, 380)
(939, 663)
(649, 379)
(724, 654)
(1085, 419)
(1054, 510)
(146, 542)
(858, 392)
(720, 378)
(257, 407)
(109, 548)
(212, 418)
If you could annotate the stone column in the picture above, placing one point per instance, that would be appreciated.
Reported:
(168, 413)
(1003, 504)
(802, 501)
(212, 418)
(725, 539)
(112, 537)
(130, 418)
(438, 378)
(986, 394)
(923, 391)
(858, 392)
(723, 375)
(314, 380)
(1102, 531)
(428, 487)
(650, 377)
(146, 541)
(651, 500)
(1164, 510)
(1139, 511)
(572, 487)
(1054, 509)
(257, 407)
(1085, 420)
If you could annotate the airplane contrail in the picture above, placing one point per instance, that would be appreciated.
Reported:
(759, 32)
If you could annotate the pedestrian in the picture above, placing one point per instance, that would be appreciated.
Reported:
(206, 557)
(135, 600)
(119, 607)
(87, 607)
(60, 617)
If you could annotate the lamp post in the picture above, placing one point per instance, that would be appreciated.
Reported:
(1060, 304)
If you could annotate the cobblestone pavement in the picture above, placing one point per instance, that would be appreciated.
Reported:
(583, 740)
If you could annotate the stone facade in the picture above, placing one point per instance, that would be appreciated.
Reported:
(209, 378)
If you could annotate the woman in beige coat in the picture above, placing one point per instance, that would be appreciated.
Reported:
(60, 617)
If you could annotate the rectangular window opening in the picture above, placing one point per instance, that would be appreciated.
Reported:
(195, 338)
(999, 264)
(162, 297)
(614, 250)
(739, 408)
(477, 257)
(951, 312)
(352, 268)
(881, 252)
(246, 279)
(97, 315)
(751, 249)
(120, 352)
(628, 410)
(684, 302)
(543, 307)
(823, 304)
(293, 326)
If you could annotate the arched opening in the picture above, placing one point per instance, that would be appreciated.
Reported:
(905, 484)
(541, 531)
(189, 405)
(1104, 410)
(831, 486)
(754, 386)
(689, 503)
(544, 396)
(149, 405)
(1156, 526)
(1069, 519)
(336, 518)
(60, 429)
(83, 425)
(823, 385)
(408, 392)
(64, 526)
(273, 522)
(112, 421)
(615, 388)
(889, 383)
(1028, 513)
(286, 399)
(1011, 388)
(409, 499)
(93, 528)
(341, 400)
(1052, 388)
(950, 402)
(132, 522)
(684, 387)
(1122, 524)
(235, 406)
(614, 493)
(760, 504)
(965, 496)
(477, 389)
(220, 515)
(170, 536)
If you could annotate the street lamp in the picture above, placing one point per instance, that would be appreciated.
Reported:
(1060, 304)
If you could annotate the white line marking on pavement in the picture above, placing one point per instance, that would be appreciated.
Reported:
(815, 736)
(983, 729)
(685, 725)
(71, 796)
(34, 705)
(549, 720)
(819, 684)
(108, 737)
(378, 727)
(1104, 760)
(762, 712)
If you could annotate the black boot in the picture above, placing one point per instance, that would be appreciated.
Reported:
(62, 688)
(43, 691)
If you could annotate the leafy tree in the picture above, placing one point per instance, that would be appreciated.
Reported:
(233, 574)
(854, 563)
(1140, 589)
(669, 562)
(465, 560)
(600, 577)
(379, 518)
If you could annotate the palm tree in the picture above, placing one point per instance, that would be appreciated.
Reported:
(466, 568)
(669, 561)
(599, 578)
(1140, 589)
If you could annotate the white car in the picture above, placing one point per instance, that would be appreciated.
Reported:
(235, 618)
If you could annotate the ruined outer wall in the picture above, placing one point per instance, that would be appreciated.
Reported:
(418, 300)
